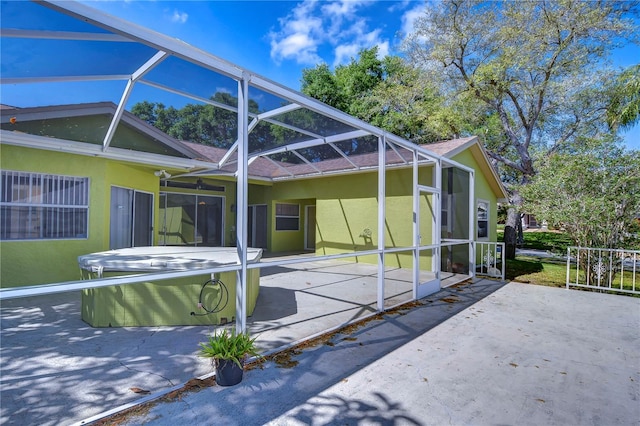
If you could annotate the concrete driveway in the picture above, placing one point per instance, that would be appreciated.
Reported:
(522, 355)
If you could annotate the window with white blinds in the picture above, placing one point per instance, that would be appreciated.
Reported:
(36, 206)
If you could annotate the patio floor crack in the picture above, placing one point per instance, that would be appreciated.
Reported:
(146, 372)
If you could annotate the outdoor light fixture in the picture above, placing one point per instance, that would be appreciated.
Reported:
(162, 174)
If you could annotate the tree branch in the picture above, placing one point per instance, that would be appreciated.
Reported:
(505, 161)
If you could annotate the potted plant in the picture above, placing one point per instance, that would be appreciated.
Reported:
(228, 352)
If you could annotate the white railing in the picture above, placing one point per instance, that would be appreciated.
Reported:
(491, 263)
(616, 270)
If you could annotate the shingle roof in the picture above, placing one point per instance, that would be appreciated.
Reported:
(272, 169)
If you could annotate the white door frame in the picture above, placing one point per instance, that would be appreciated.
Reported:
(306, 226)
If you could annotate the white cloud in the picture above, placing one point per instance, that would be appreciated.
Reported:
(299, 36)
(409, 18)
(399, 5)
(313, 24)
(179, 17)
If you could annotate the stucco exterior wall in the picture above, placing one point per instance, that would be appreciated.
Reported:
(347, 209)
(27, 262)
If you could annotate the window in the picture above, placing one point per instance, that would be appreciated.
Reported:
(35, 206)
(483, 218)
(287, 217)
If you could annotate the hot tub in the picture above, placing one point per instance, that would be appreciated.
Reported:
(194, 300)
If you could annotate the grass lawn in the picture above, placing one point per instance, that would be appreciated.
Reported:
(527, 269)
(543, 270)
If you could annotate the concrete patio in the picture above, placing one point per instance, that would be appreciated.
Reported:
(481, 353)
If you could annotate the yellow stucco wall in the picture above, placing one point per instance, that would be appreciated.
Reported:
(43, 261)
(347, 208)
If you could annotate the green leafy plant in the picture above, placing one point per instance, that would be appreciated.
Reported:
(229, 345)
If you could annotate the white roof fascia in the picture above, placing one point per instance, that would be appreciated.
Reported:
(100, 108)
(81, 148)
(64, 79)
(68, 111)
(474, 140)
(62, 35)
(144, 36)
(139, 73)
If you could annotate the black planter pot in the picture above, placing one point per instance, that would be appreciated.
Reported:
(228, 373)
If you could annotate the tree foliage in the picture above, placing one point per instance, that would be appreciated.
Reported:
(198, 123)
(387, 93)
(530, 62)
(593, 193)
(624, 100)
(536, 66)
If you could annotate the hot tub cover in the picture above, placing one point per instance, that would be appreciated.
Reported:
(164, 258)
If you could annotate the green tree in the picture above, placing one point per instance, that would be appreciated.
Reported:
(536, 67)
(199, 123)
(593, 194)
(624, 101)
(385, 92)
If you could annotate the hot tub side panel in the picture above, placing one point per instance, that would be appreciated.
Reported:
(167, 302)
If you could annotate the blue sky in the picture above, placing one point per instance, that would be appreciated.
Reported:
(278, 39)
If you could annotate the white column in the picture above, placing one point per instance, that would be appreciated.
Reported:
(416, 226)
(242, 189)
(437, 219)
(472, 225)
(382, 168)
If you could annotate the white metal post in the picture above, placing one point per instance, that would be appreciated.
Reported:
(382, 172)
(437, 219)
(472, 225)
(416, 226)
(241, 202)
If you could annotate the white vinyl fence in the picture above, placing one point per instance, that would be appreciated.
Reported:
(616, 270)
(491, 259)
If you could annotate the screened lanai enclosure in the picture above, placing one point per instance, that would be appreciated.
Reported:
(307, 219)
(357, 194)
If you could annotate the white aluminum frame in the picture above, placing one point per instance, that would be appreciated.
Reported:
(167, 46)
